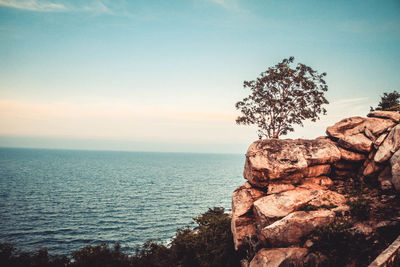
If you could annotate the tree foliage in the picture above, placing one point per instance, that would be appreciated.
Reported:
(389, 102)
(282, 96)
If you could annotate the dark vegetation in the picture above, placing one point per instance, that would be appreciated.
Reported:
(310, 207)
(347, 241)
(389, 102)
(209, 244)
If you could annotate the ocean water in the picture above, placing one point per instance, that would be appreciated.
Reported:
(66, 199)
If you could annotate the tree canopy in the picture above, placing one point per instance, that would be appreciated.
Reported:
(389, 102)
(282, 96)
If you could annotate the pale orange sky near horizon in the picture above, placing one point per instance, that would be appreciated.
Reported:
(147, 76)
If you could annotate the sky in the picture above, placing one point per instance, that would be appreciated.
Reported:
(165, 75)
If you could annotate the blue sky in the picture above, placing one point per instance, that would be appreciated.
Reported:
(165, 75)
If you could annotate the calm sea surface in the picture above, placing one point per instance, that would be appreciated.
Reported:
(66, 199)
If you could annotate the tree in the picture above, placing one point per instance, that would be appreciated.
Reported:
(389, 102)
(282, 96)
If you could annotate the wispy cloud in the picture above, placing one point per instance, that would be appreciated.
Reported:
(352, 100)
(51, 6)
(96, 7)
(227, 4)
(34, 5)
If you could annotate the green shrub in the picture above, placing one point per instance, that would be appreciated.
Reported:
(209, 244)
(11, 256)
(342, 245)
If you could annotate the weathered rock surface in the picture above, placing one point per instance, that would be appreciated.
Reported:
(380, 140)
(279, 257)
(317, 170)
(243, 228)
(372, 168)
(389, 146)
(357, 125)
(393, 115)
(352, 132)
(243, 199)
(350, 155)
(291, 228)
(328, 198)
(242, 223)
(278, 188)
(287, 159)
(358, 142)
(272, 207)
(286, 197)
(320, 180)
(395, 163)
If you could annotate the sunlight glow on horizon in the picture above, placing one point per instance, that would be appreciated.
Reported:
(172, 72)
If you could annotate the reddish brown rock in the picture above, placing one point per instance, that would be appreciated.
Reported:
(243, 224)
(286, 159)
(351, 132)
(274, 188)
(328, 199)
(358, 142)
(243, 199)
(321, 180)
(393, 115)
(356, 125)
(389, 146)
(272, 207)
(351, 156)
(372, 168)
(243, 228)
(296, 225)
(380, 140)
(279, 257)
(317, 170)
(395, 164)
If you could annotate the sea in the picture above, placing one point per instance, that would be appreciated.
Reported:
(64, 200)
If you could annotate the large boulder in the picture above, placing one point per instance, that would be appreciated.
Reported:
(395, 163)
(352, 133)
(243, 229)
(243, 198)
(296, 225)
(270, 208)
(358, 142)
(274, 188)
(273, 207)
(389, 146)
(351, 155)
(393, 115)
(372, 168)
(378, 141)
(242, 223)
(279, 257)
(288, 159)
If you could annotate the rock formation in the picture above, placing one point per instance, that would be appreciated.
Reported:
(287, 193)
